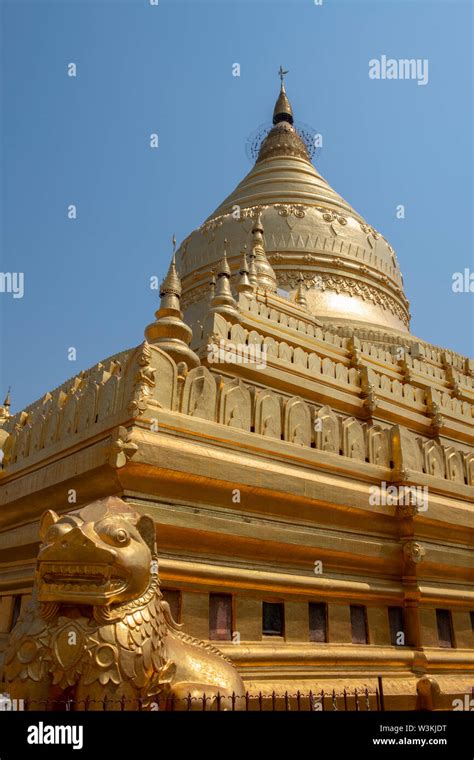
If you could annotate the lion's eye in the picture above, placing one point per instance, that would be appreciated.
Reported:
(121, 536)
(113, 535)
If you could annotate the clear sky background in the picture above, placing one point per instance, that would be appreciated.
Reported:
(168, 69)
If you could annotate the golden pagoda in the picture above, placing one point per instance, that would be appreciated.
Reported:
(307, 461)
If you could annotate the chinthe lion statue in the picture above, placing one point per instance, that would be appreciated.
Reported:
(98, 630)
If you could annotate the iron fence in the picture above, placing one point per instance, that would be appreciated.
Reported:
(358, 700)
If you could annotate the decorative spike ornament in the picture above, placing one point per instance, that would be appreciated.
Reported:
(252, 269)
(265, 276)
(7, 402)
(300, 293)
(5, 409)
(283, 110)
(244, 285)
(169, 332)
(212, 286)
(223, 301)
(224, 268)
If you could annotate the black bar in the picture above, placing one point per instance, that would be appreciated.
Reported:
(120, 733)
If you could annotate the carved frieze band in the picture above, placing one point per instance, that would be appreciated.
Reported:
(124, 386)
(235, 404)
(134, 384)
(298, 210)
(339, 284)
(345, 285)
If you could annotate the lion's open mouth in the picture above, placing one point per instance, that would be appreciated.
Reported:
(60, 578)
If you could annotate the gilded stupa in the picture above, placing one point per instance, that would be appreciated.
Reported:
(350, 271)
(307, 461)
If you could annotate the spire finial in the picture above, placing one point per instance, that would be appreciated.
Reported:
(171, 285)
(173, 240)
(224, 269)
(243, 284)
(281, 74)
(261, 274)
(244, 267)
(223, 301)
(283, 138)
(282, 110)
(258, 224)
(4, 412)
(169, 332)
(300, 298)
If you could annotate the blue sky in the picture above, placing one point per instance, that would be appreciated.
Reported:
(168, 69)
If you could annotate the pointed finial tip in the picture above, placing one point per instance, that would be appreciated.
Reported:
(282, 110)
(173, 240)
(258, 224)
(224, 268)
(171, 285)
(281, 74)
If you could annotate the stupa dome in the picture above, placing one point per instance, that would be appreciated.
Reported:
(349, 270)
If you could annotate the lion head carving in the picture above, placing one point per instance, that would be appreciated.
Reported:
(100, 555)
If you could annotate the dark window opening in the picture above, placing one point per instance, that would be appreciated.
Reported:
(220, 617)
(445, 628)
(173, 597)
(273, 619)
(397, 629)
(472, 621)
(359, 625)
(318, 628)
